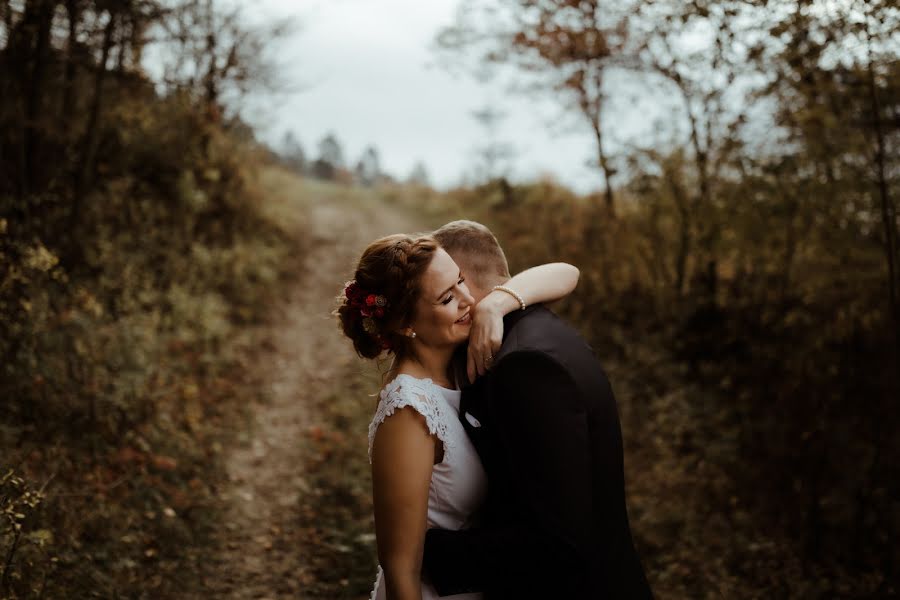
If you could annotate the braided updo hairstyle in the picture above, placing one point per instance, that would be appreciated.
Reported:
(389, 270)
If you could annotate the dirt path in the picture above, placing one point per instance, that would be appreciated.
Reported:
(261, 556)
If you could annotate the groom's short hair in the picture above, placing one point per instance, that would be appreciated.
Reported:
(476, 245)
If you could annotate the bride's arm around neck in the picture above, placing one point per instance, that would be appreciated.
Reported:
(544, 283)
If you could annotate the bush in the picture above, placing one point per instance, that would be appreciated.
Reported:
(122, 344)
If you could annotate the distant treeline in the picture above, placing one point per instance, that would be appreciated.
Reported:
(330, 165)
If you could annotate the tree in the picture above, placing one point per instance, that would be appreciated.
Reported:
(368, 168)
(878, 28)
(292, 153)
(330, 151)
(830, 71)
(834, 80)
(213, 54)
(564, 47)
(693, 50)
(85, 169)
(37, 18)
(493, 155)
(419, 175)
(331, 158)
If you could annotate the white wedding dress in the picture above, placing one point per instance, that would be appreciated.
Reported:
(458, 482)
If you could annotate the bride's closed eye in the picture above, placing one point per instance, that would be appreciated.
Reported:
(449, 297)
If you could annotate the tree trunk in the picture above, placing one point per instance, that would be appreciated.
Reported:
(685, 239)
(660, 249)
(603, 163)
(7, 17)
(889, 223)
(73, 12)
(16, 60)
(790, 248)
(124, 36)
(888, 210)
(701, 161)
(43, 17)
(5, 9)
(92, 133)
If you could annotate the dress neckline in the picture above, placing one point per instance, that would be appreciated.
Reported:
(452, 397)
(428, 380)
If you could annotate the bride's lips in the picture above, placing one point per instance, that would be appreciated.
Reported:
(465, 319)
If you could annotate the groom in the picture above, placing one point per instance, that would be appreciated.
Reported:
(545, 424)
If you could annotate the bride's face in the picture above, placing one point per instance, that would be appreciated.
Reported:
(443, 312)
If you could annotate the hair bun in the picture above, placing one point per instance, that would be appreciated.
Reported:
(379, 301)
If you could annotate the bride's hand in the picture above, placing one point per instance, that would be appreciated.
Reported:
(485, 337)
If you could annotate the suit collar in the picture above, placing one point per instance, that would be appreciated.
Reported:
(459, 357)
(510, 320)
(458, 367)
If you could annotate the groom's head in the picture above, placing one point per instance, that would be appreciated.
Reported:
(478, 254)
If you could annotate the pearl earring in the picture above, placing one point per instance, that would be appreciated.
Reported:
(412, 335)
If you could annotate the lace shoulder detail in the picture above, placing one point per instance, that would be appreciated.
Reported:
(420, 394)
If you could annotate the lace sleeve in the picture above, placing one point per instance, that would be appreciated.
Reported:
(419, 394)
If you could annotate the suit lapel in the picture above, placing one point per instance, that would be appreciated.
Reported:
(473, 413)
(474, 406)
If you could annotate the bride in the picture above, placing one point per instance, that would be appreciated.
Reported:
(409, 299)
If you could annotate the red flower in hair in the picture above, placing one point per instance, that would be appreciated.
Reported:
(351, 291)
(370, 307)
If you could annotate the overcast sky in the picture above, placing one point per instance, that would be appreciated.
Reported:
(368, 75)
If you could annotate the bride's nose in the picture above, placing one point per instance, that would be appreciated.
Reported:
(466, 299)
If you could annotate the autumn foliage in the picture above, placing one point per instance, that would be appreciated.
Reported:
(739, 282)
(134, 262)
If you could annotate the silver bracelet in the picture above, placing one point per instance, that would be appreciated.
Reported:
(512, 293)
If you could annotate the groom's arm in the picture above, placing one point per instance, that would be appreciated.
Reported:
(544, 436)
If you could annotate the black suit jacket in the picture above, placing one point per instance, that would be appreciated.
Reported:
(555, 523)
